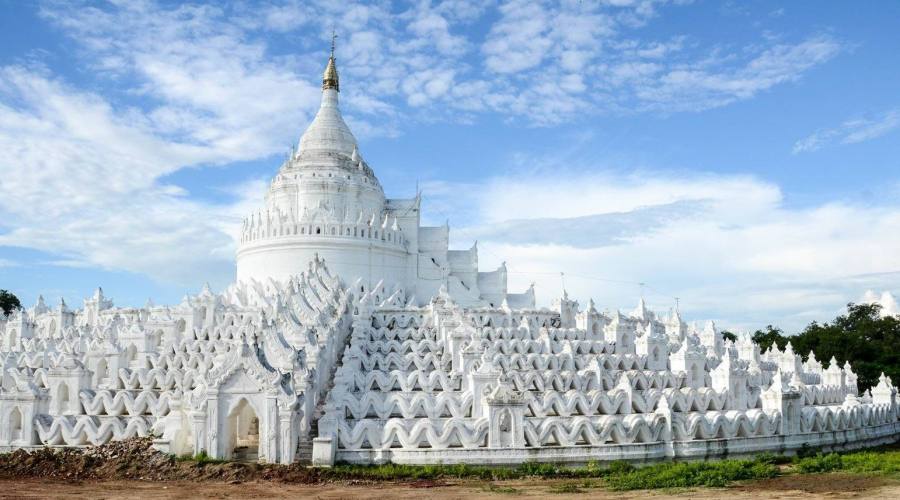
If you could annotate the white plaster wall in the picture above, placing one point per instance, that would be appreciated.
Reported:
(349, 258)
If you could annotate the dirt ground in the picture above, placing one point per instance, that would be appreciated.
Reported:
(133, 469)
(813, 486)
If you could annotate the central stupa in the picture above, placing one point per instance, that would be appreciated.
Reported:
(327, 201)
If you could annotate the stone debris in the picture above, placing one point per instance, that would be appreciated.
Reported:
(136, 459)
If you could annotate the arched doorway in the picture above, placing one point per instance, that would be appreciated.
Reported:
(62, 395)
(698, 377)
(102, 372)
(131, 356)
(505, 429)
(15, 425)
(243, 429)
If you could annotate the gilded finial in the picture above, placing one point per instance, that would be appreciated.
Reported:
(330, 78)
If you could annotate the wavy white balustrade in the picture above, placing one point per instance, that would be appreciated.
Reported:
(413, 433)
(598, 430)
(126, 403)
(723, 424)
(85, 429)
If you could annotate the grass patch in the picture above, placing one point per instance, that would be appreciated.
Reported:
(691, 474)
(395, 472)
(536, 469)
(817, 464)
(884, 462)
(861, 462)
(618, 475)
(200, 458)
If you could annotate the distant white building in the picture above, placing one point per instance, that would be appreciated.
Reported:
(355, 334)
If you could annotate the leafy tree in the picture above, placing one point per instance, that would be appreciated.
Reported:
(869, 341)
(771, 335)
(9, 302)
(726, 335)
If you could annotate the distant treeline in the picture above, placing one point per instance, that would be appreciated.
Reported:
(870, 341)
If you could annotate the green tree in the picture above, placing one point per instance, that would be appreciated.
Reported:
(870, 341)
(862, 336)
(9, 302)
(771, 335)
(726, 335)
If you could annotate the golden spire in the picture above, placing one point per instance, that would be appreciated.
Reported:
(330, 78)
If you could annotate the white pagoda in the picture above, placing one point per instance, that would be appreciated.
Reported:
(354, 334)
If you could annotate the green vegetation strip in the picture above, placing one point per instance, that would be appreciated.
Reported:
(861, 462)
(686, 474)
(621, 476)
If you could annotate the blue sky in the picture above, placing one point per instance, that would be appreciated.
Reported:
(742, 156)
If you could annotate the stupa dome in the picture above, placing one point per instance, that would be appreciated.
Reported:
(328, 133)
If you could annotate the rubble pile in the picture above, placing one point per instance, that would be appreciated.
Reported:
(136, 459)
(129, 459)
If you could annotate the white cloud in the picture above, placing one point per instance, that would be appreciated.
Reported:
(850, 132)
(538, 46)
(725, 245)
(81, 181)
(546, 62)
(429, 24)
(885, 299)
(205, 80)
(699, 86)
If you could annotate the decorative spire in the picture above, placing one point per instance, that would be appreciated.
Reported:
(330, 78)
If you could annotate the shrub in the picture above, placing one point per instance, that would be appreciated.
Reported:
(820, 463)
(620, 467)
(537, 469)
(885, 462)
(202, 458)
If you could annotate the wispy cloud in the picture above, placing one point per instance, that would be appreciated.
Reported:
(204, 79)
(721, 80)
(540, 62)
(850, 132)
